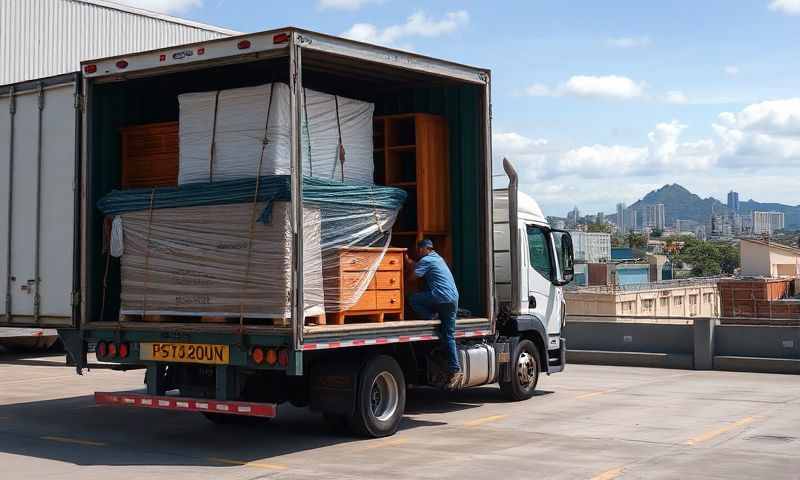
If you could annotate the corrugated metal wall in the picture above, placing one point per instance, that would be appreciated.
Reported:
(41, 38)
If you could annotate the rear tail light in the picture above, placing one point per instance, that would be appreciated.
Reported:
(112, 350)
(102, 349)
(283, 358)
(272, 356)
(201, 51)
(243, 45)
(90, 68)
(280, 38)
(162, 58)
(122, 64)
(123, 350)
(257, 354)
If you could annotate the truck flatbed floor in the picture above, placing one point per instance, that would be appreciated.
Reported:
(320, 336)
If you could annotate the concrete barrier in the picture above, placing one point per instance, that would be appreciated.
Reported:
(700, 345)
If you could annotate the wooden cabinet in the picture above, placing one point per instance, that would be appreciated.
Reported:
(384, 293)
(411, 152)
(150, 155)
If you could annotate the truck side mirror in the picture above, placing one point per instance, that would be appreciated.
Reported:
(565, 256)
(568, 258)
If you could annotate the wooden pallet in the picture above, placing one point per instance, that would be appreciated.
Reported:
(310, 320)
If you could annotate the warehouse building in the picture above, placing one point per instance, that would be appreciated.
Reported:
(44, 38)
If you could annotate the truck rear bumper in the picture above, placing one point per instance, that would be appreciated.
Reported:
(166, 402)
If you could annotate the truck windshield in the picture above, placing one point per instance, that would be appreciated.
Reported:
(540, 253)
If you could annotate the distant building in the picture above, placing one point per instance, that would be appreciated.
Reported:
(766, 223)
(759, 300)
(768, 259)
(559, 224)
(733, 201)
(621, 217)
(697, 297)
(632, 222)
(601, 218)
(573, 217)
(591, 247)
(655, 217)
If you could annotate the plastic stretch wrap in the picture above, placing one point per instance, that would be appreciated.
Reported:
(222, 134)
(204, 261)
(199, 260)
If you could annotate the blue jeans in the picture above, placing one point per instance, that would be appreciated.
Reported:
(427, 307)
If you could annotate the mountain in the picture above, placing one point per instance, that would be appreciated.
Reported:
(680, 203)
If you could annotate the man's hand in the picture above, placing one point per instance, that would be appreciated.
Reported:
(409, 263)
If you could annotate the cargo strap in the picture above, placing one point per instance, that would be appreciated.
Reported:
(147, 252)
(340, 147)
(253, 214)
(213, 146)
(308, 134)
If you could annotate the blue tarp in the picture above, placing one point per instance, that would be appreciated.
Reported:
(316, 192)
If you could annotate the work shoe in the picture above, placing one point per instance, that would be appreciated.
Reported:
(455, 380)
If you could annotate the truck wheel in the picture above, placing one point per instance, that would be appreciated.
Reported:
(380, 399)
(525, 368)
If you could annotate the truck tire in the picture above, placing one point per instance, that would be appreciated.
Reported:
(525, 368)
(380, 399)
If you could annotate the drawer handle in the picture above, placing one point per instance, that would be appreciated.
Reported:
(353, 261)
(391, 280)
(392, 261)
(392, 300)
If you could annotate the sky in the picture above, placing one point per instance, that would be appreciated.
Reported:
(596, 102)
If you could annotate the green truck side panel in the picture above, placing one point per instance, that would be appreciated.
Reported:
(461, 105)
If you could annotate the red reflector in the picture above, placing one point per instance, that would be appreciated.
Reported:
(257, 354)
(122, 64)
(272, 356)
(201, 51)
(112, 349)
(283, 358)
(162, 58)
(280, 38)
(243, 45)
(123, 350)
(90, 68)
(102, 349)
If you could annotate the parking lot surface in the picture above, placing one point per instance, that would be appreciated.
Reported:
(591, 422)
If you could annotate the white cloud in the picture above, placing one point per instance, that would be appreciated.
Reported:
(608, 86)
(676, 97)
(731, 70)
(789, 7)
(417, 25)
(512, 142)
(164, 6)
(591, 86)
(628, 42)
(762, 134)
(345, 4)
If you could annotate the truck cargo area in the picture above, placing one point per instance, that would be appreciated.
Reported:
(453, 189)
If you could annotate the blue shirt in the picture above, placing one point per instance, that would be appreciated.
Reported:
(437, 275)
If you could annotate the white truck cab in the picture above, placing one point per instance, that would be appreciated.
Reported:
(532, 263)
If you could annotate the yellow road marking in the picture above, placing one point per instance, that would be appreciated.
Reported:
(386, 443)
(269, 466)
(481, 421)
(594, 394)
(706, 436)
(75, 441)
(609, 474)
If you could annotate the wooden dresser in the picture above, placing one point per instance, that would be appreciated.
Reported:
(384, 294)
(150, 155)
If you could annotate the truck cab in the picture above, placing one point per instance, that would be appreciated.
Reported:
(532, 262)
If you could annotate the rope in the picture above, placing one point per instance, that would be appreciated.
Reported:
(213, 140)
(253, 215)
(147, 252)
(340, 148)
(308, 134)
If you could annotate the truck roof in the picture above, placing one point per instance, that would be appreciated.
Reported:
(528, 209)
(277, 41)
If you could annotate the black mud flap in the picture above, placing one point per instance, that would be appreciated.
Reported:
(75, 347)
(334, 386)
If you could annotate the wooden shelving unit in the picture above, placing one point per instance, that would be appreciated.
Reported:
(411, 152)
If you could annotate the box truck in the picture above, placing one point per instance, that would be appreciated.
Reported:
(63, 154)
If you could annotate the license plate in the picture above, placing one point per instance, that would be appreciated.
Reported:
(185, 353)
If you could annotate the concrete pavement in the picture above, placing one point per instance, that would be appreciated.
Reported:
(592, 422)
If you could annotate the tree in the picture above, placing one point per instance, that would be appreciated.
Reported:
(730, 260)
(636, 240)
(598, 228)
(708, 258)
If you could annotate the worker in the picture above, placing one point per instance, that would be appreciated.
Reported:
(440, 298)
